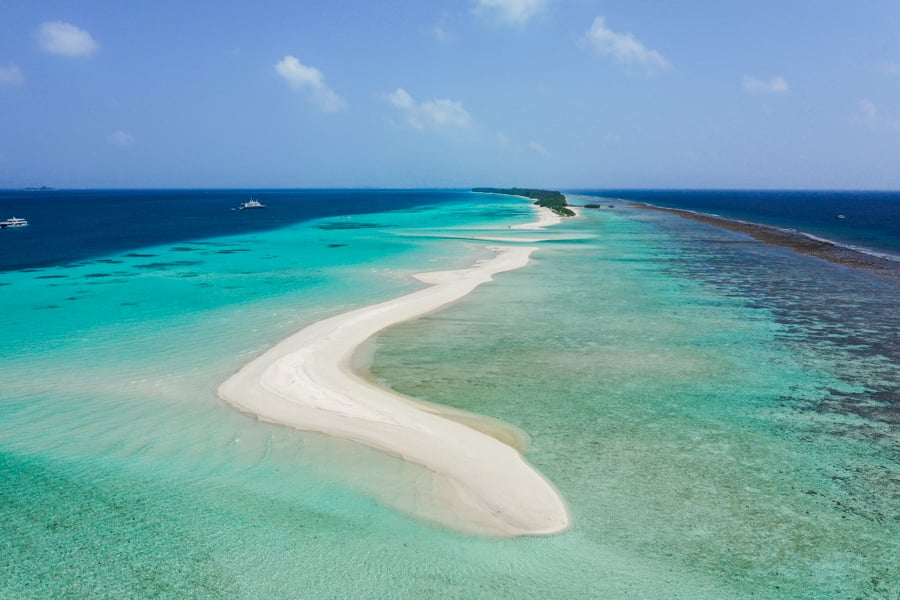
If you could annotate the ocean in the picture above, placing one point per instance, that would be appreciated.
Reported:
(721, 415)
(859, 219)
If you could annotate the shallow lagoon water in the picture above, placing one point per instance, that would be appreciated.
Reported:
(709, 440)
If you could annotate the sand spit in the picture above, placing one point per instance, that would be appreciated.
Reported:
(306, 382)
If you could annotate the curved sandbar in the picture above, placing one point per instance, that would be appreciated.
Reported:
(306, 382)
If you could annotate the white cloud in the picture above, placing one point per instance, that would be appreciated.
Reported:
(502, 139)
(65, 39)
(402, 99)
(776, 85)
(442, 34)
(517, 12)
(868, 112)
(441, 31)
(434, 114)
(311, 81)
(536, 147)
(624, 48)
(446, 113)
(120, 138)
(11, 75)
(869, 115)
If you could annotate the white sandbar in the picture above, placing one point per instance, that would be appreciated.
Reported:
(546, 218)
(307, 382)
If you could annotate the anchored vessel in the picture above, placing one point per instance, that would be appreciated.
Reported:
(13, 222)
(251, 203)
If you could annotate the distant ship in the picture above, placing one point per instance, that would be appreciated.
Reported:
(13, 222)
(251, 203)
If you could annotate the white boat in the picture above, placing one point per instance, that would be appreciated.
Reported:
(251, 203)
(13, 222)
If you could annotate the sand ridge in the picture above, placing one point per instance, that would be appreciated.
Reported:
(306, 382)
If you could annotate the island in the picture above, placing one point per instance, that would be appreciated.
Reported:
(555, 201)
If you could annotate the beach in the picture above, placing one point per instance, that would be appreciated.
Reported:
(546, 218)
(479, 483)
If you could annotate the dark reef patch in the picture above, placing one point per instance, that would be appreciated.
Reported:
(161, 266)
(795, 240)
(339, 225)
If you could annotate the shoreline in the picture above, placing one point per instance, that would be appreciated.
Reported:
(545, 217)
(801, 243)
(479, 484)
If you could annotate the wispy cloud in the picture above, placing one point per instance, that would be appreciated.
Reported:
(441, 31)
(624, 48)
(446, 115)
(120, 138)
(869, 115)
(441, 34)
(515, 12)
(539, 148)
(776, 85)
(309, 80)
(65, 39)
(11, 75)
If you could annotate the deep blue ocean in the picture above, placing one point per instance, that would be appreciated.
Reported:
(871, 219)
(71, 225)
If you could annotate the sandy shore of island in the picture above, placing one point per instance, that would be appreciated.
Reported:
(545, 218)
(307, 382)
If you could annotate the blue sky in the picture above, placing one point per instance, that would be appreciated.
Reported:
(412, 93)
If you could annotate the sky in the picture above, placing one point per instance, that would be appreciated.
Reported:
(560, 94)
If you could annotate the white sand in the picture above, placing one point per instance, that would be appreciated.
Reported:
(307, 382)
(546, 218)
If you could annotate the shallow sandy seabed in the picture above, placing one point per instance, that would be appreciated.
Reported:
(477, 483)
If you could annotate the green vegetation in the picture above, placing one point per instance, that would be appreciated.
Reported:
(555, 201)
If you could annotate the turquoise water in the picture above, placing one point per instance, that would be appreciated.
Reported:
(704, 440)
